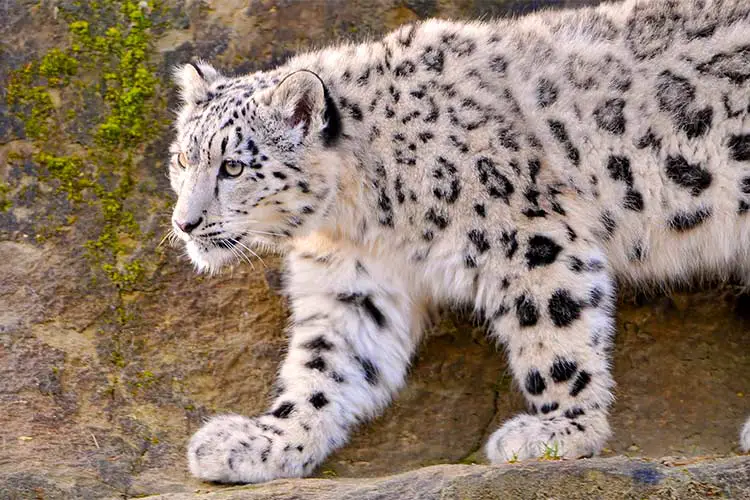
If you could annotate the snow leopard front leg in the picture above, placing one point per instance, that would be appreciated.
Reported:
(557, 325)
(353, 332)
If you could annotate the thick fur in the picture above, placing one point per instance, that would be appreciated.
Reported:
(515, 166)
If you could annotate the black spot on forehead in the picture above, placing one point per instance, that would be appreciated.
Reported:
(229, 102)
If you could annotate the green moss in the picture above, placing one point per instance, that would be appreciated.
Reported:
(129, 81)
(471, 459)
(117, 359)
(116, 61)
(5, 202)
(32, 103)
(69, 172)
(143, 380)
(79, 28)
(57, 67)
(108, 57)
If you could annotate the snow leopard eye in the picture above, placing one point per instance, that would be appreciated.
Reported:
(182, 160)
(231, 168)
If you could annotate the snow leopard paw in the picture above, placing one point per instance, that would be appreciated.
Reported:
(237, 449)
(527, 436)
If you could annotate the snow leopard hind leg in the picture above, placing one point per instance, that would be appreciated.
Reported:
(351, 340)
(556, 322)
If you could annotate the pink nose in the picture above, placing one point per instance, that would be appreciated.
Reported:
(187, 227)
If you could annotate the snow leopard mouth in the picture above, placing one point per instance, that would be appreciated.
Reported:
(210, 254)
(211, 248)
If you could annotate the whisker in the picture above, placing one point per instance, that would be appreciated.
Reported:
(237, 253)
(237, 242)
(245, 257)
(226, 247)
(256, 231)
(165, 238)
(226, 226)
(170, 237)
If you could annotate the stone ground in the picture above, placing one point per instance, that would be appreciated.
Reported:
(93, 408)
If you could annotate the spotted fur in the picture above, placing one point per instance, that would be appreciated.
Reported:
(517, 166)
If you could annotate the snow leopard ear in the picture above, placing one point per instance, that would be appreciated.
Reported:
(194, 80)
(305, 104)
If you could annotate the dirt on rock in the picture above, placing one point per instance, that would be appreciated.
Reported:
(102, 382)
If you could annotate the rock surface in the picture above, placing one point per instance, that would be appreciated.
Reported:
(104, 375)
(613, 478)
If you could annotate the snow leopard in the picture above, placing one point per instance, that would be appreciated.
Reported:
(518, 168)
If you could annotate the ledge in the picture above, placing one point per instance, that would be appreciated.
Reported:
(617, 477)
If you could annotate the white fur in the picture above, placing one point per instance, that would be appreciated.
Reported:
(503, 165)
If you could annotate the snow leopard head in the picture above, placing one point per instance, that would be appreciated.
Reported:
(253, 162)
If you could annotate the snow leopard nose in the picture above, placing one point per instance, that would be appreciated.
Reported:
(187, 227)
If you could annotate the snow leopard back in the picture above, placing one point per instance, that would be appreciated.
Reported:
(632, 117)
